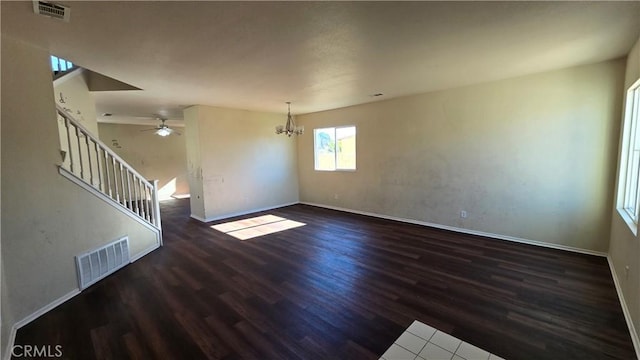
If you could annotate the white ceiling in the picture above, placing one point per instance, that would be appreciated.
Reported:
(319, 55)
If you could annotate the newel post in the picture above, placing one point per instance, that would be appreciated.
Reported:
(156, 209)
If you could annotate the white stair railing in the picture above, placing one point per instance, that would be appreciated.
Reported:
(89, 160)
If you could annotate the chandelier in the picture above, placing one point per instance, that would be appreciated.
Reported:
(290, 128)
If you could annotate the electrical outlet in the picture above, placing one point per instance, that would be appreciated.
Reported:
(463, 214)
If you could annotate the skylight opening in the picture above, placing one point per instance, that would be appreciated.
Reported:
(257, 226)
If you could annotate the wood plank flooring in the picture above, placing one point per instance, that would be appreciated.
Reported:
(343, 286)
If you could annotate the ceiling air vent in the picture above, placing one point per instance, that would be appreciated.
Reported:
(53, 10)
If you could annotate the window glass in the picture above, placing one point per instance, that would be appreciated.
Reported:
(335, 148)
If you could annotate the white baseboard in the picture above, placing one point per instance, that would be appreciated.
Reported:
(47, 308)
(145, 252)
(43, 310)
(226, 216)
(464, 231)
(625, 309)
(633, 333)
(196, 217)
(10, 342)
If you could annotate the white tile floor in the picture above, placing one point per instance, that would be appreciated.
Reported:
(422, 342)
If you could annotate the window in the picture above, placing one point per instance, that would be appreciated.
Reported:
(628, 196)
(60, 64)
(335, 148)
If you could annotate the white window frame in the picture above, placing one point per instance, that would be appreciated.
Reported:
(628, 198)
(335, 128)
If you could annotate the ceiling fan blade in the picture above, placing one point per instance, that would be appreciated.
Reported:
(152, 129)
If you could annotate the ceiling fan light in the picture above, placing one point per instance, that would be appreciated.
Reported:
(163, 132)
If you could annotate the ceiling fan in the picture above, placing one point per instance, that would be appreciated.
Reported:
(163, 129)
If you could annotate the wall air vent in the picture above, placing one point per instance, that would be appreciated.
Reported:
(97, 264)
(52, 10)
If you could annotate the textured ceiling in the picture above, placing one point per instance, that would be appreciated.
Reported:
(319, 55)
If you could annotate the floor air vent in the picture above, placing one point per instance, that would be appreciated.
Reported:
(97, 264)
(53, 10)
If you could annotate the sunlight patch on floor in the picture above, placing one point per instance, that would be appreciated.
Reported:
(257, 226)
(181, 196)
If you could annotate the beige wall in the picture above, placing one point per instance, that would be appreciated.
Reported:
(46, 219)
(624, 249)
(241, 163)
(6, 316)
(155, 157)
(194, 160)
(72, 93)
(530, 157)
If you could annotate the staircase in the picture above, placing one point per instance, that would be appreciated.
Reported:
(91, 164)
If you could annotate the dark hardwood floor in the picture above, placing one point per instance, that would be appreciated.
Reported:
(344, 286)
